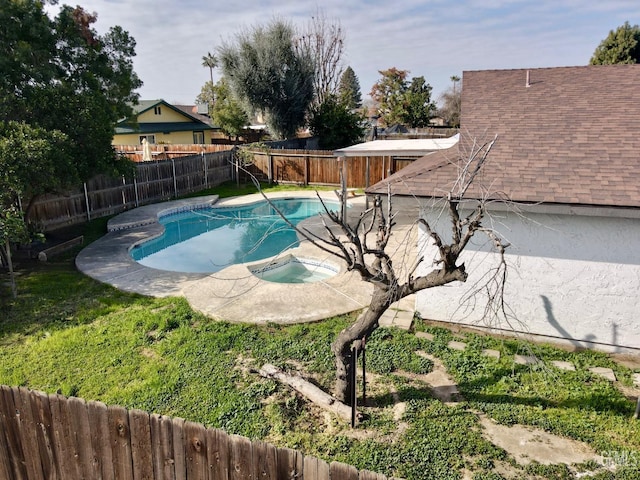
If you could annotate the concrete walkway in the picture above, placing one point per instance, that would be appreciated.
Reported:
(234, 293)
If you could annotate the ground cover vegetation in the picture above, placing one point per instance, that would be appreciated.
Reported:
(67, 333)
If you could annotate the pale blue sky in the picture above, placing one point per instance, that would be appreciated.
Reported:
(431, 38)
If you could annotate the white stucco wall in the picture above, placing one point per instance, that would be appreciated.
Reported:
(571, 277)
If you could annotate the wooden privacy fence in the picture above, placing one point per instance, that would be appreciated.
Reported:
(321, 167)
(165, 179)
(153, 182)
(50, 437)
(163, 151)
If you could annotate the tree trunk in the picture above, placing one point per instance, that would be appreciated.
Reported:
(366, 323)
(308, 390)
(12, 275)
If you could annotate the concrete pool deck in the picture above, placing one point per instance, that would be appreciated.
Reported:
(234, 293)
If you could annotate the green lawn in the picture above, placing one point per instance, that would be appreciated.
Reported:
(67, 333)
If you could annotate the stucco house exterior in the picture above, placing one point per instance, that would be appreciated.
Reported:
(161, 122)
(564, 183)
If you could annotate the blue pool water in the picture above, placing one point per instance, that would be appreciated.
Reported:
(210, 239)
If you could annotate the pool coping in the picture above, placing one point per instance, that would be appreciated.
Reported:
(233, 294)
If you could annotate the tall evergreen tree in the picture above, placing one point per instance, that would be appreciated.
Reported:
(622, 45)
(388, 93)
(349, 90)
(418, 107)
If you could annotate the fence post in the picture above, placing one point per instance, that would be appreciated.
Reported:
(343, 181)
(306, 170)
(366, 181)
(175, 183)
(206, 174)
(135, 188)
(86, 201)
(270, 167)
(124, 197)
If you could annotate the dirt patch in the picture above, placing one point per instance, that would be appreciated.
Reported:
(528, 444)
(627, 360)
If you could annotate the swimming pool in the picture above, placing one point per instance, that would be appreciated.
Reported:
(291, 269)
(206, 240)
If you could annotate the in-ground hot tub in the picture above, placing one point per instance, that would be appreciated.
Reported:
(292, 269)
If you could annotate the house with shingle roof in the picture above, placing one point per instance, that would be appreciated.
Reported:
(158, 121)
(564, 180)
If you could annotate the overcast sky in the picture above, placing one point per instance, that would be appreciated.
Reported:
(431, 38)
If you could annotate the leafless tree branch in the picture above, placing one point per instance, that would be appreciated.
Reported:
(363, 245)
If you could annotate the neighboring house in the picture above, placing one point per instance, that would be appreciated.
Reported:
(567, 156)
(162, 123)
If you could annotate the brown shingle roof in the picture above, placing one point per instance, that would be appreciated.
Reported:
(572, 136)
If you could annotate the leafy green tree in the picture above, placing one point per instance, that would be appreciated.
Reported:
(12, 229)
(418, 107)
(335, 124)
(388, 93)
(402, 102)
(349, 90)
(227, 112)
(34, 160)
(28, 159)
(207, 96)
(622, 45)
(268, 73)
(59, 75)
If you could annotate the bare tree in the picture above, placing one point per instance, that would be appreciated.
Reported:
(323, 40)
(451, 102)
(363, 244)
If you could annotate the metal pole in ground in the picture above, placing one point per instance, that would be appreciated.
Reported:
(364, 373)
(637, 414)
(354, 396)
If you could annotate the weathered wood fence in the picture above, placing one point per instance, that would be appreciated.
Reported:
(153, 182)
(50, 437)
(320, 167)
(165, 179)
(167, 151)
